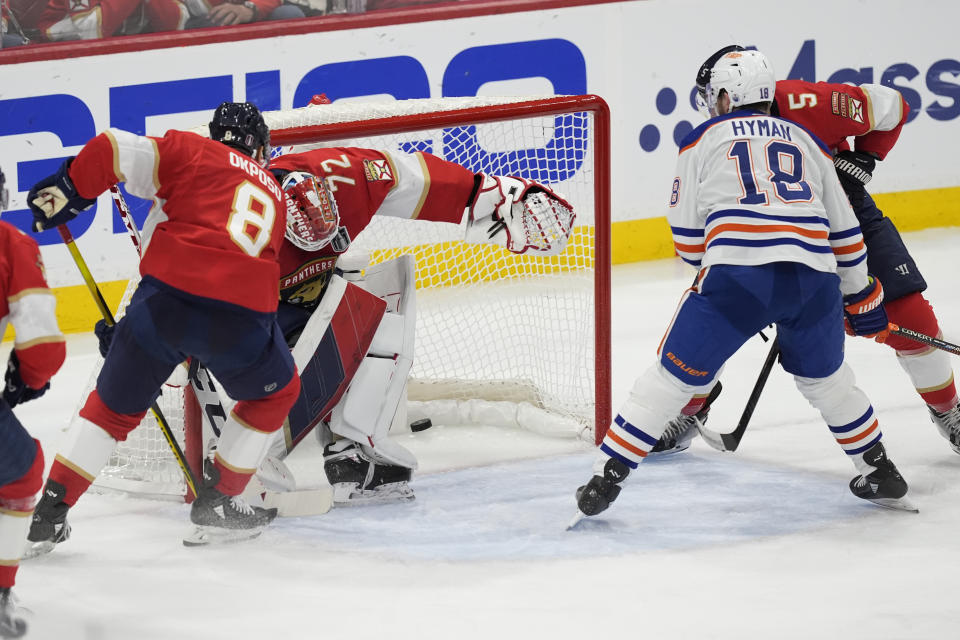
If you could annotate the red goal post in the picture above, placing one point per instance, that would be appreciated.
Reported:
(300, 127)
(494, 329)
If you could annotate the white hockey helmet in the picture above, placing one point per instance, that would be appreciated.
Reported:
(312, 215)
(746, 76)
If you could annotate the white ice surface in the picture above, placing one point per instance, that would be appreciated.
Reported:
(761, 544)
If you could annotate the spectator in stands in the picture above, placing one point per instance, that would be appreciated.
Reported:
(393, 4)
(89, 19)
(359, 6)
(223, 13)
(19, 20)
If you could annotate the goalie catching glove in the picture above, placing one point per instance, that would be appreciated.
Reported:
(55, 201)
(519, 215)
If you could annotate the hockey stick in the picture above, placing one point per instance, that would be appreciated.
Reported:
(127, 218)
(916, 336)
(730, 441)
(291, 502)
(109, 319)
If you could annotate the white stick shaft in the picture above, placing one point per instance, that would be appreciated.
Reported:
(127, 218)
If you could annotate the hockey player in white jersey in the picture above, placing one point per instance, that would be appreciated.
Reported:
(757, 207)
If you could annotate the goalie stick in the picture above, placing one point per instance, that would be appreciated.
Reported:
(109, 319)
(301, 502)
(730, 441)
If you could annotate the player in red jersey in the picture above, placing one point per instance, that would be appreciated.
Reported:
(208, 291)
(339, 191)
(38, 352)
(873, 115)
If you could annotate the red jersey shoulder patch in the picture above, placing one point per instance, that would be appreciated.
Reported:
(377, 170)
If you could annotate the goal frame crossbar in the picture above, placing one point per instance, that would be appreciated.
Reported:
(499, 113)
(339, 124)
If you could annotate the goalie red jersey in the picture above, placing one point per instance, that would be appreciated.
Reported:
(871, 113)
(365, 183)
(217, 216)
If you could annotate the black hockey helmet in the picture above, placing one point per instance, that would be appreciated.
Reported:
(4, 194)
(241, 126)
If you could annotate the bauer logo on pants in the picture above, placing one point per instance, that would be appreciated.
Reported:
(683, 367)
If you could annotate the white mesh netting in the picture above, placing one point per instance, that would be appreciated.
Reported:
(499, 337)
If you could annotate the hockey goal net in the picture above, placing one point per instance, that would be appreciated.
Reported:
(499, 337)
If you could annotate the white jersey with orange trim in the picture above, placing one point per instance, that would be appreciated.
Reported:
(754, 189)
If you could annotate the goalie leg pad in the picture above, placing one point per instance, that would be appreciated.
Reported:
(367, 422)
(377, 393)
(330, 349)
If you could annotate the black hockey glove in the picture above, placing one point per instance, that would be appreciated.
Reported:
(15, 390)
(55, 201)
(854, 168)
(104, 333)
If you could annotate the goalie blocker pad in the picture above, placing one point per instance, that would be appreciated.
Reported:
(329, 351)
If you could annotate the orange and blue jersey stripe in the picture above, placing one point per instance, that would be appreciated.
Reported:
(627, 443)
(858, 436)
(848, 247)
(752, 222)
(689, 244)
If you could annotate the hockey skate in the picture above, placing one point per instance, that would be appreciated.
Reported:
(884, 485)
(12, 624)
(681, 431)
(595, 496)
(948, 424)
(358, 479)
(220, 518)
(49, 526)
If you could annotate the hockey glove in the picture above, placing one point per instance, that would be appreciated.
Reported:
(104, 333)
(15, 390)
(854, 168)
(864, 313)
(55, 201)
(519, 215)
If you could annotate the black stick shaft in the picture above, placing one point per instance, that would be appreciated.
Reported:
(916, 336)
(732, 440)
